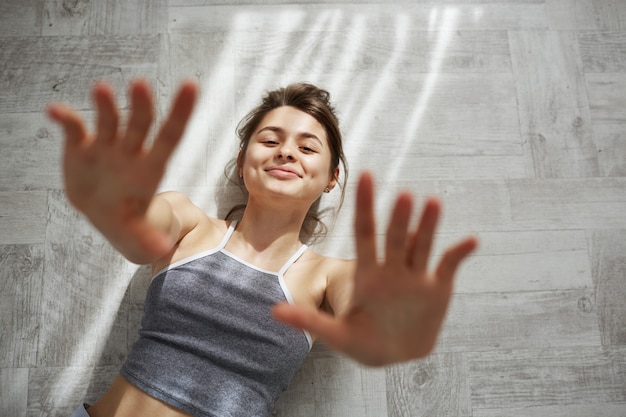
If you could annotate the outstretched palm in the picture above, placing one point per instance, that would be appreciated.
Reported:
(398, 305)
(110, 176)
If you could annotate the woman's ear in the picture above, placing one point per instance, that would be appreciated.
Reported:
(240, 164)
(334, 179)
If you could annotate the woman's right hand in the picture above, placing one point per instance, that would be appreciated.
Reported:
(110, 175)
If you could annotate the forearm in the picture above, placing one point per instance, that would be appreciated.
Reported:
(143, 240)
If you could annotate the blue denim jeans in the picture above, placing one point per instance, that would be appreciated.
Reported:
(81, 411)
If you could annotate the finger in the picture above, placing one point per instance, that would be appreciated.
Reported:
(395, 246)
(172, 130)
(364, 223)
(452, 258)
(423, 238)
(141, 117)
(323, 325)
(71, 122)
(108, 118)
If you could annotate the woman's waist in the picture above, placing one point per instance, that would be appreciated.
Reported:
(124, 399)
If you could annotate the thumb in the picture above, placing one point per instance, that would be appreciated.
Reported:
(326, 327)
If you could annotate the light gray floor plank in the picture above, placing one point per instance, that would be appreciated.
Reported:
(550, 262)
(31, 152)
(23, 217)
(525, 320)
(546, 377)
(40, 70)
(569, 204)
(608, 113)
(608, 258)
(14, 391)
(603, 51)
(586, 14)
(366, 50)
(58, 391)
(20, 18)
(345, 388)
(21, 278)
(606, 103)
(299, 399)
(104, 18)
(468, 206)
(578, 410)
(193, 15)
(436, 386)
(553, 106)
(84, 293)
(210, 138)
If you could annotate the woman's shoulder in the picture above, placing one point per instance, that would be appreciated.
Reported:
(330, 265)
(190, 215)
(199, 231)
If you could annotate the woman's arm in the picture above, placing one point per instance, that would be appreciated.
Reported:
(340, 287)
(396, 305)
(111, 177)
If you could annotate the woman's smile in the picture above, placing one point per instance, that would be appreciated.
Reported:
(283, 172)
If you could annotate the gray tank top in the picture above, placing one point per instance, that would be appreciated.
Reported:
(208, 344)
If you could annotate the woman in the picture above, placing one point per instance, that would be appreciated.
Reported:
(214, 340)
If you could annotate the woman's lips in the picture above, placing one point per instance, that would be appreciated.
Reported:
(283, 172)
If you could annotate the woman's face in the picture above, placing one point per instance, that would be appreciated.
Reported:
(288, 155)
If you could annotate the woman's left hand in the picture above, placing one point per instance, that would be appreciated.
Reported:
(398, 305)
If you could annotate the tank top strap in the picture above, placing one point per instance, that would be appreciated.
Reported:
(291, 260)
(227, 235)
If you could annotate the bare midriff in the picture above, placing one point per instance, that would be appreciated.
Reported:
(125, 400)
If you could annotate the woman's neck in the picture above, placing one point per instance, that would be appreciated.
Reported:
(274, 231)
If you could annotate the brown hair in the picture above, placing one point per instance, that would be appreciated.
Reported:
(315, 102)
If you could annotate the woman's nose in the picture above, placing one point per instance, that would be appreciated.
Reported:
(285, 152)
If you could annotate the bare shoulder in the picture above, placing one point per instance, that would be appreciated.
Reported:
(328, 265)
(197, 230)
(339, 275)
(188, 214)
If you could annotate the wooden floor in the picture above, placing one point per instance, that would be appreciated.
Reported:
(513, 112)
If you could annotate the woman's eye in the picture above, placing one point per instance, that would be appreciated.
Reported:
(307, 149)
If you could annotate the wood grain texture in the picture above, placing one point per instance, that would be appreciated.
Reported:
(40, 70)
(20, 18)
(436, 386)
(511, 112)
(14, 391)
(572, 204)
(23, 217)
(362, 49)
(343, 388)
(21, 281)
(608, 113)
(586, 14)
(82, 17)
(210, 136)
(553, 106)
(524, 320)
(603, 51)
(57, 391)
(608, 260)
(547, 377)
(84, 293)
(31, 152)
(578, 410)
(195, 15)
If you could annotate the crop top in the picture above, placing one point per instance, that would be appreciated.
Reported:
(208, 344)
